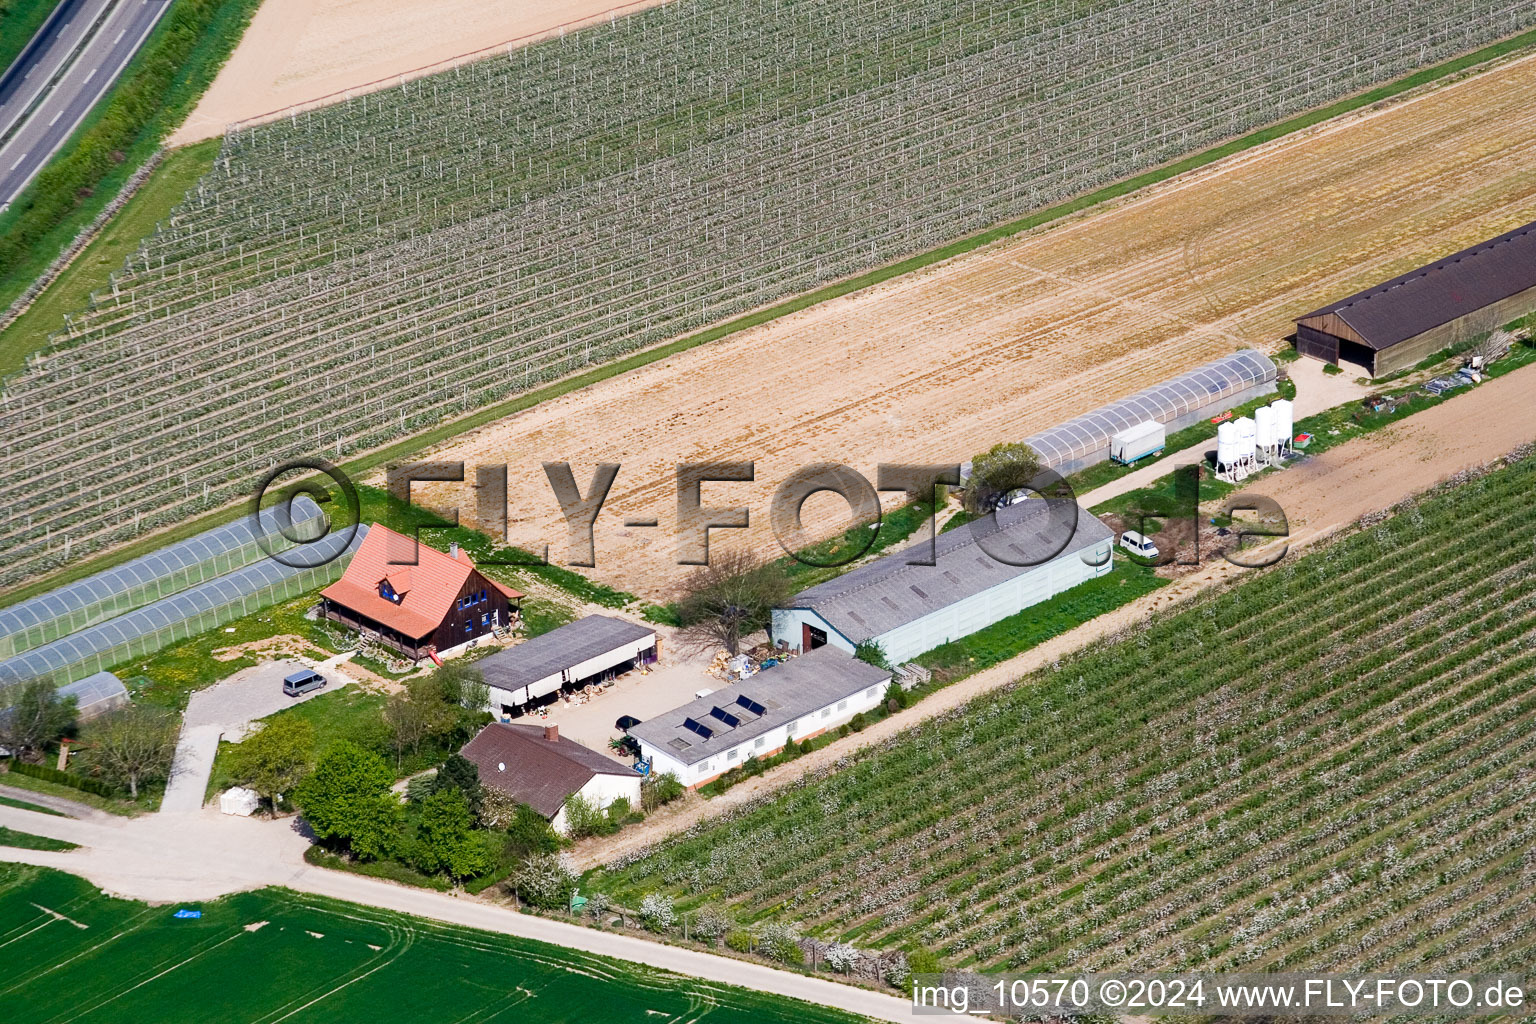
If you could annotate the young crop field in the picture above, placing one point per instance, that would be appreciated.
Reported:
(355, 273)
(75, 954)
(1329, 766)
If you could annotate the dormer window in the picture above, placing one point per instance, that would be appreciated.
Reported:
(387, 592)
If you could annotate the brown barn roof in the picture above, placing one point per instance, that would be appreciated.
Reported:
(427, 588)
(1409, 305)
(519, 760)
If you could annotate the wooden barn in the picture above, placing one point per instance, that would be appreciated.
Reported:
(1399, 322)
(415, 599)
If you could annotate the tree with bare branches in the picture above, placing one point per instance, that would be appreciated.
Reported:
(731, 597)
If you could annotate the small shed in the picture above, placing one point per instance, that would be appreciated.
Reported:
(588, 650)
(96, 694)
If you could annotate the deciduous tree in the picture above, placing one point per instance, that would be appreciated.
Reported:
(347, 801)
(275, 759)
(998, 472)
(129, 747)
(732, 596)
(33, 716)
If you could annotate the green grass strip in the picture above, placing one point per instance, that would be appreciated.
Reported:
(155, 93)
(402, 450)
(23, 805)
(19, 22)
(107, 252)
(28, 841)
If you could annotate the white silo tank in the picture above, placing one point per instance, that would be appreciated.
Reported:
(1265, 435)
(1247, 432)
(1285, 423)
(1226, 444)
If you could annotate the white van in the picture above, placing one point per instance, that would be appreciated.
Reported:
(1136, 544)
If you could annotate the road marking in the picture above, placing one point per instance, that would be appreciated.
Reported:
(18, 162)
(119, 37)
(55, 118)
(91, 75)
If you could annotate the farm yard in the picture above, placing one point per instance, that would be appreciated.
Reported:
(1326, 767)
(73, 953)
(464, 237)
(1029, 333)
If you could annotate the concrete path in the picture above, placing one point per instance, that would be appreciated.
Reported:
(202, 855)
(53, 803)
(195, 751)
(227, 710)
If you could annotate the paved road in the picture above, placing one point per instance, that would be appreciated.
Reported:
(56, 81)
(204, 855)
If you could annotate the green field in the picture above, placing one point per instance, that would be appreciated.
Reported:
(1331, 766)
(73, 954)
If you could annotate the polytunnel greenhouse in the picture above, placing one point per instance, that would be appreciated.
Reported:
(1214, 387)
(175, 618)
(169, 570)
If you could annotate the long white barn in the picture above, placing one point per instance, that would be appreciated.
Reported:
(801, 698)
(908, 609)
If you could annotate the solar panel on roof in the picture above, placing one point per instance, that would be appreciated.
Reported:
(693, 725)
(750, 704)
(725, 716)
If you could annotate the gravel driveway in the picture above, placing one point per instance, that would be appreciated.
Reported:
(226, 710)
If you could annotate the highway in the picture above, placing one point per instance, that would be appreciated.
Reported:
(60, 76)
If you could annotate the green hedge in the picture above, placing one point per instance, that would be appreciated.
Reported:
(80, 782)
(134, 104)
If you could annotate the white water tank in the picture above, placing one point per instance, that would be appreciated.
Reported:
(1265, 435)
(1226, 444)
(1247, 433)
(1285, 423)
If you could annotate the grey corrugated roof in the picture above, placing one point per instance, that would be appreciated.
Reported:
(890, 592)
(56, 659)
(161, 564)
(559, 649)
(1165, 402)
(539, 772)
(1412, 303)
(785, 692)
(94, 689)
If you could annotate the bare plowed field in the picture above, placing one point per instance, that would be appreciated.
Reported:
(298, 51)
(1027, 333)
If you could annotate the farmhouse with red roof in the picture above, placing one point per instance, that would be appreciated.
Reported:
(416, 599)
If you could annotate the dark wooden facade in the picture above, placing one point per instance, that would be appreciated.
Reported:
(478, 608)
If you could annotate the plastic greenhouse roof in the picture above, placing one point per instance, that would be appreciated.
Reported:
(1163, 402)
(94, 689)
(58, 657)
(148, 568)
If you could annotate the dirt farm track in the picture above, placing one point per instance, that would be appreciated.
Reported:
(1031, 331)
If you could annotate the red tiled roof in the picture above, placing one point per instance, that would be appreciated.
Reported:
(427, 589)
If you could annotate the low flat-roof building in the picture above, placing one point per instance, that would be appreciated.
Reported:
(908, 609)
(1395, 324)
(415, 599)
(756, 717)
(537, 766)
(591, 649)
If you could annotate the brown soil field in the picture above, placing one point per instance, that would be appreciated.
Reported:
(297, 52)
(1322, 496)
(994, 345)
